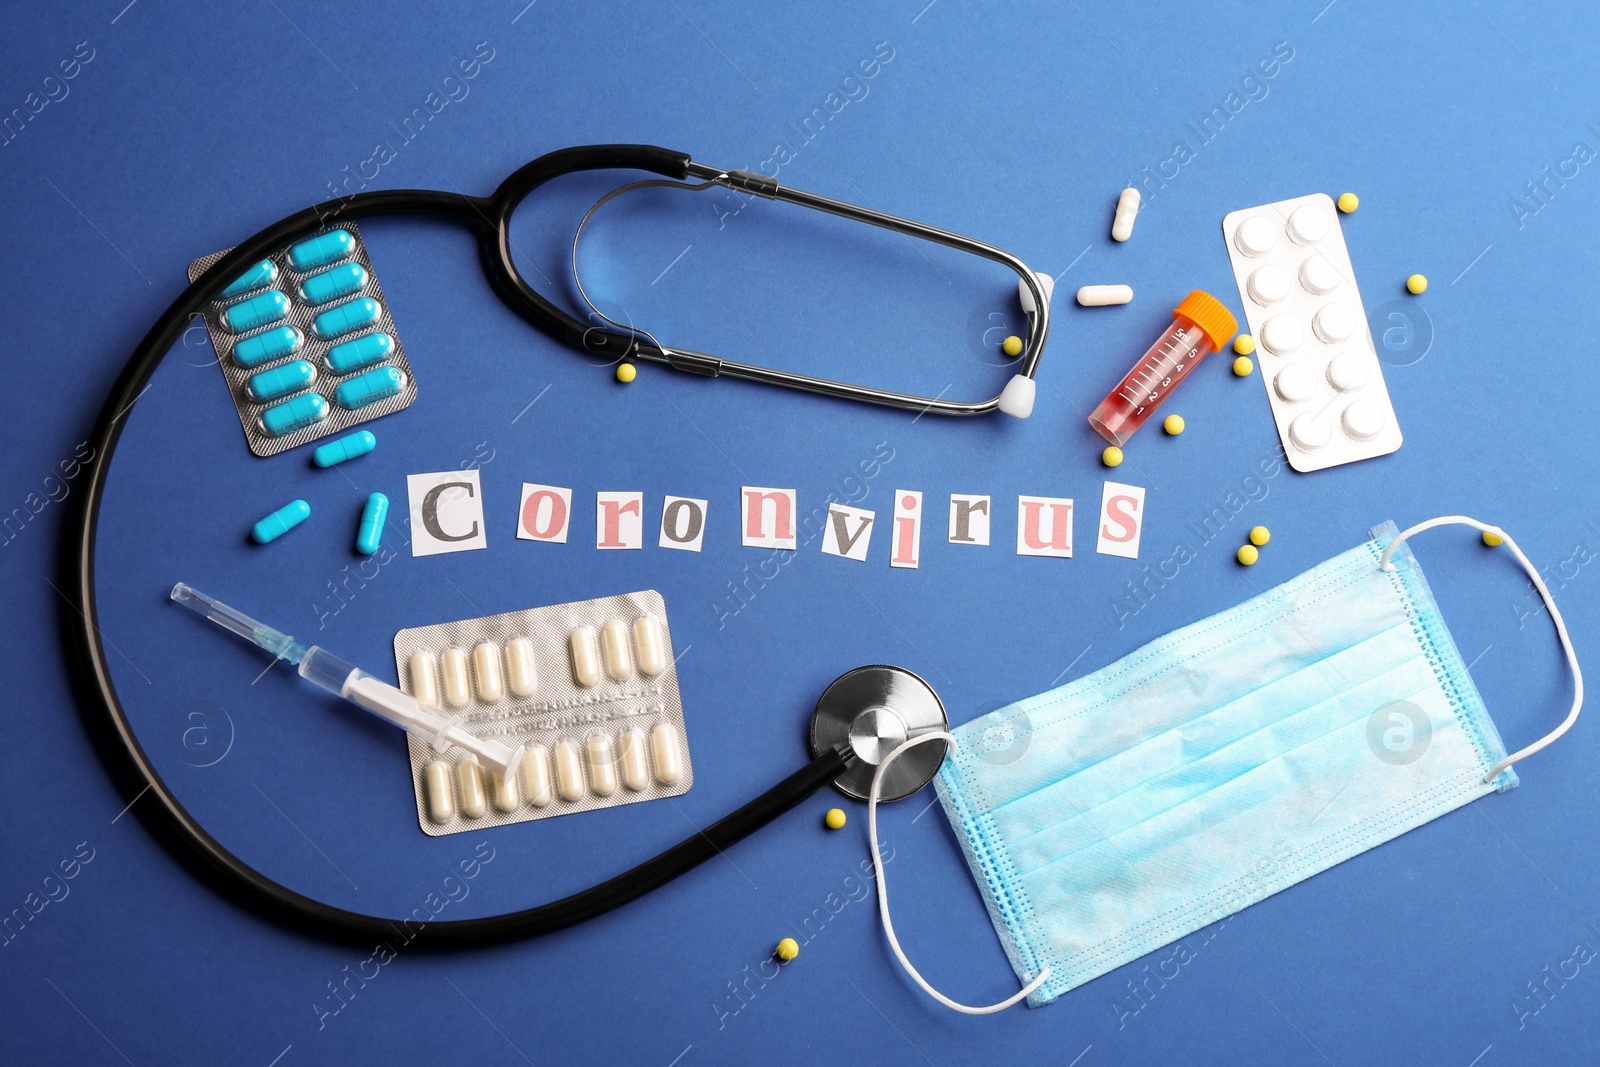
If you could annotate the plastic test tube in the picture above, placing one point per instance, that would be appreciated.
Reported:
(1200, 325)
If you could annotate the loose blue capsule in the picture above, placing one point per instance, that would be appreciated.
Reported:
(295, 414)
(263, 273)
(347, 447)
(259, 310)
(369, 388)
(333, 283)
(326, 248)
(370, 534)
(364, 351)
(254, 351)
(351, 315)
(281, 521)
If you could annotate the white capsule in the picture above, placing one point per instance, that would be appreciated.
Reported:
(486, 670)
(602, 765)
(1096, 296)
(569, 771)
(424, 679)
(453, 673)
(652, 645)
(1127, 211)
(665, 759)
(441, 794)
(614, 642)
(585, 657)
(469, 776)
(520, 673)
(536, 775)
(635, 760)
(504, 791)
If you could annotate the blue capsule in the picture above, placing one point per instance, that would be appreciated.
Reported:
(281, 381)
(295, 414)
(280, 522)
(325, 248)
(369, 388)
(259, 310)
(263, 273)
(347, 447)
(254, 351)
(351, 315)
(364, 351)
(370, 534)
(333, 283)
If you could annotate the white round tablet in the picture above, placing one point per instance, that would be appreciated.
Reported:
(1319, 275)
(1334, 323)
(1295, 383)
(1363, 420)
(1310, 432)
(1268, 285)
(1309, 224)
(1348, 370)
(1282, 334)
(1256, 236)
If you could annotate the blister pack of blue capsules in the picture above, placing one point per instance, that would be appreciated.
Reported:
(306, 342)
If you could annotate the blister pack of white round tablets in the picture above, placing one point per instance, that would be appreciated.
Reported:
(588, 689)
(305, 341)
(1317, 358)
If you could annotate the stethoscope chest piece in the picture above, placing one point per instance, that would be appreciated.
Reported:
(872, 710)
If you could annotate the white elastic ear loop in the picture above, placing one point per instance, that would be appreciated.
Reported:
(883, 889)
(1550, 605)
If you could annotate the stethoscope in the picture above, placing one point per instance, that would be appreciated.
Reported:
(859, 720)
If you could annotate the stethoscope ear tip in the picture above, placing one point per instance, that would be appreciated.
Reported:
(1016, 399)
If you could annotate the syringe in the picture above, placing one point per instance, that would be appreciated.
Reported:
(349, 682)
(1200, 325)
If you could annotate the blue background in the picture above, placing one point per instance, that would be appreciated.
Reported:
(193, 125)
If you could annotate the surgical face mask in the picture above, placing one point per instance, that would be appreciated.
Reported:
(1218, 765)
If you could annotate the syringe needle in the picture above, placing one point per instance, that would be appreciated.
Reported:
(274, 641)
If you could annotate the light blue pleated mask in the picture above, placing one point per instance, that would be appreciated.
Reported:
(1220, 764)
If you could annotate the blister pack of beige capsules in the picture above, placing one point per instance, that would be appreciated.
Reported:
(306, 342)
(589, 689)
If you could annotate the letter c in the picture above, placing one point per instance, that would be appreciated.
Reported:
(430, 513)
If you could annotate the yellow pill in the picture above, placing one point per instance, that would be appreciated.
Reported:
(1111, 456)
(1248, 554)
(1260, 535)
(1348, 202)
(626, 372)
(788, 949)
(1244, 344)
(1012, 346)
(1173, 424)
(1242, 366)
(1416, 284)
(1492, 539)
(834, 820)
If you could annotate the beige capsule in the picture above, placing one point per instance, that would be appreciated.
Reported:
(652, 645)
(635, 759)
(536, 775)
(521, 676)
(614, 643)
(666, 759)
(440, 792)
(486, 671)
(585, 656)
(424, 678)
(504, 791)
(469, 776)
(602, 764)
(457, 685)
(569, 771)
